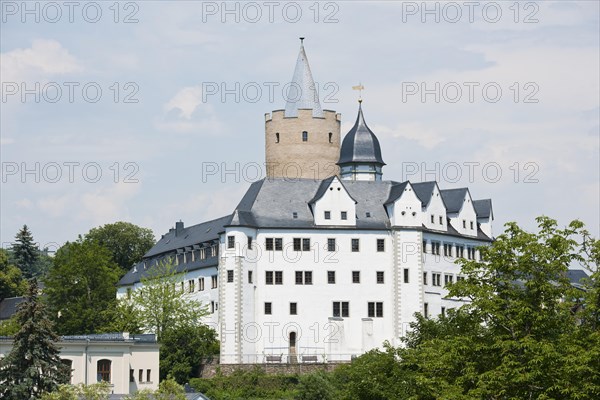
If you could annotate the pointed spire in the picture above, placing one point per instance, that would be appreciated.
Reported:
(302, 92)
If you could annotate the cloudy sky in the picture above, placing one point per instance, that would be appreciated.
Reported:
(153, 111)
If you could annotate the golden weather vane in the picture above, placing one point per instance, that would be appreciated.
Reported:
(360, 88)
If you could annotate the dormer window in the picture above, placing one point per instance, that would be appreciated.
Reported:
(295, 215)
(305, 136)
(441, 220)
(327, 214)
(277, 137)
(471, 225)
(368, 215)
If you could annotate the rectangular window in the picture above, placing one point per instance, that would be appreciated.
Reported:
(250, 242)
(435, 248)
(293, 308)
(375, 309)
(330, 276)
(424, 278)
(443, 311)
(327, 214)
(269, 243)
(230, 242)
(148, 376)
(448, 279)
(299, 277)
(355, 245)
(279, 277)
(345, 309)
(297, 244)
(380, 245)
(460, 251)
(249, 276)
(306, 244)
(131, 375)
(436, 279)
(201, 284)
(426, 310)
(380, 277)
(447, 249)
(330, 244)
(268, 277)
(344, 215)
(295, 215)
(308, 277)
(213, 281)
(191, 286)
(229, 275)
(341, 309)
(305, 136)
(424, 246)
(441, 220)
(464, 224)
(212, 307)
(141, 375)
(268, 309)
(278, 244)
(355, 276)
(433, 219)
(405, 275)
(471, 225)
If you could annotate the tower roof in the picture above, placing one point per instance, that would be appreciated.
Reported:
(360, 145)
(302, 92)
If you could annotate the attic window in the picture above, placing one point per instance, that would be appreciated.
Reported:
(305, 136)
(327, 214)
(368, 215)
(339, 189)
(295, 215)
(330, 188)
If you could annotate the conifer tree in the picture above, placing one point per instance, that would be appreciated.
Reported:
(25, 252)
(33, 366)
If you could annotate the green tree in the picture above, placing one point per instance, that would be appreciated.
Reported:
(126, 242)
(183, 350)
(519, 336)
(33, 366)
(12, 283)
(163, 302)
(80, 287)
(95, 391)
(25, 252)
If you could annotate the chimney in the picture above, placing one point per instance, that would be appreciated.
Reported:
(178, 228)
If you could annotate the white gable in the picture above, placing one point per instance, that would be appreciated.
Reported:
(465, 221)
(335, 203)
(406, 210)
(434, 213)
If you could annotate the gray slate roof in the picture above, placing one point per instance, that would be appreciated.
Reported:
(360, 145)
(302, 93)
(272, 203)
(454, 199)
(576, 275)
(8, 307)
(483, 208)
(204, 232)
(424, 191)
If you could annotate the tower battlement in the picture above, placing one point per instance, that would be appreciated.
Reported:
(303, 113)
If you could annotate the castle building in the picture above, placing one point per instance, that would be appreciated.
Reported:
(323, 259)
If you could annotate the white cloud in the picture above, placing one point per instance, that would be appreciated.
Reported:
(44, 59)
(187, 113)
(186, 101)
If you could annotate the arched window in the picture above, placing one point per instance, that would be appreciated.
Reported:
(103, 370)
(305, 136)
(277, 137)
(68, 364)
(330, 137)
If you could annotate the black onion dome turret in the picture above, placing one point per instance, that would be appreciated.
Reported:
(360, 145)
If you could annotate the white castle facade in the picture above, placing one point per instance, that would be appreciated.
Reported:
(329, 265)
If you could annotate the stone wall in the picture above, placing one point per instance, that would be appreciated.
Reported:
(210, 370)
